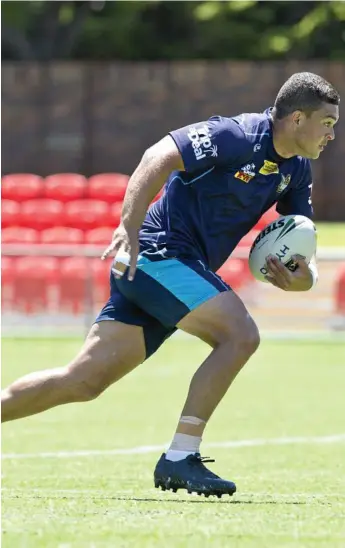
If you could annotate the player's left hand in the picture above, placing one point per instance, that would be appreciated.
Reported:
(280, 276)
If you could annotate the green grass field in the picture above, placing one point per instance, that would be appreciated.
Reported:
(330, 234)
(290, 475)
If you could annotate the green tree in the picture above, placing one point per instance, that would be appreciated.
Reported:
(42, 30)
(162, 30)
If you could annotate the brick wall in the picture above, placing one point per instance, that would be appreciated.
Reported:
(91, 118)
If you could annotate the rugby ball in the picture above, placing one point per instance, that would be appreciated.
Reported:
(284, 237)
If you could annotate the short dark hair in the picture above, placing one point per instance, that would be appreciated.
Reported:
(304, 91)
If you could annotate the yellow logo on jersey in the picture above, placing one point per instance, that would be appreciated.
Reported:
(246, 173)
(269, 168)
(245, 177)
(285, 181)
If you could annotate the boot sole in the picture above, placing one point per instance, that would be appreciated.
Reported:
(167, 485)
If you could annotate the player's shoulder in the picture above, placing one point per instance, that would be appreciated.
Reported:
(303, 169)
(301, 164)
(254, 125)
(248, 125)
(243, 132)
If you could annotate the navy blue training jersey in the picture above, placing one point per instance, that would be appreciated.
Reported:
(232, 176)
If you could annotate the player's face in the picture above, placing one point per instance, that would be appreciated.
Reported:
(313, 132)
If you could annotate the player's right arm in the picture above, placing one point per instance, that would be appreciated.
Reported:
(147, 180)
(195, 148)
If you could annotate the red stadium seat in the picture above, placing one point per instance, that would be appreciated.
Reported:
(35, 283)
(159, 195)
(19, 235)
(10, 213)
(236, 273)
(41, 214)
(267, 218)
(75, 284)
(7, 282)
(86, 214)
(115, 214)
(65, 187)
(21, 187)
(62, 235)
(110, 187)
(100, 281)
(83, 283)
(340, 292)
(249, 238)
(101, 235)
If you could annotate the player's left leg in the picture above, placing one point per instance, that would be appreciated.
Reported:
(225, 324)
(185, 293)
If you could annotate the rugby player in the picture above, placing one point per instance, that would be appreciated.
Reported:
(220, 176)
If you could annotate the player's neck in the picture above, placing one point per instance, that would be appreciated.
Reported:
(283, 144)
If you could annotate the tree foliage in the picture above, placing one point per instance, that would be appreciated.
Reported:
(162, 30)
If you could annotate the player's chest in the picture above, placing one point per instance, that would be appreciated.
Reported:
(263, 178)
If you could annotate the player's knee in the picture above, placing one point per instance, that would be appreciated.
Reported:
(82, 386)
(89, 389)
(248, 336)
(242, 333)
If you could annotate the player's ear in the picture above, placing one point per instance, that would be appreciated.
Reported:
(298, 118)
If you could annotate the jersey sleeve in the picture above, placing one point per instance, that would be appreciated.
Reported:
(298, 200)
(217, 141)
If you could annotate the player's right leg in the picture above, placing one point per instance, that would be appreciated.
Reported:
(122, 338)
(111, 350)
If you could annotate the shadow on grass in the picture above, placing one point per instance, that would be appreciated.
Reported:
(214, 500)
(192, 500)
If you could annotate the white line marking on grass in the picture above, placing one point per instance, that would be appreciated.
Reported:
(259, 442)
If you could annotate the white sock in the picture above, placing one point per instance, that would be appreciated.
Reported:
(181, 446)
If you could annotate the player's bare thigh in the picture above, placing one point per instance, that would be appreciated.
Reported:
(221, 319)
(111, 350)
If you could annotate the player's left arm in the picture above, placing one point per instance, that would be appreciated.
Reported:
(297, 201)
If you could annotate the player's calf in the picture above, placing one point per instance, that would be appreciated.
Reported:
(111, 350)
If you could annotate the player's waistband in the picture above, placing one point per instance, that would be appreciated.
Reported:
(122, 260)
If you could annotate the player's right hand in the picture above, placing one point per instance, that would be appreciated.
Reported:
(127, 241)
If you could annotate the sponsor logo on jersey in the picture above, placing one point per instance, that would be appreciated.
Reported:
(257, 147)
(269, 168)
(200, 138)
(285, 180)
(246, 173)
